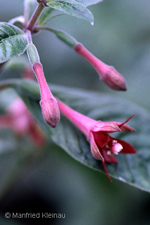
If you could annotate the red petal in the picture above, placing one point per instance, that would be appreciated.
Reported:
(125, 127)
(95, 149)
(127, 148)
(109, 158)
(126, 120)
(101, 138)
(103, 163)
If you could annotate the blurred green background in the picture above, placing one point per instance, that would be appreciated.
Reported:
(51, 181)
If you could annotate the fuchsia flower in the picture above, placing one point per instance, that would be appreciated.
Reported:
(19, 119)
(108, 74)
(103, 147)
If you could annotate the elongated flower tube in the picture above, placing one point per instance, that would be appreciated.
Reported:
(21, 122)
(48, 102)
(108, 74)
(103, 147)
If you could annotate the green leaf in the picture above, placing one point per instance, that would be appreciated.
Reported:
(13, 42)
(88, 2)
(73, 8)
(45, 16)
(131, 169)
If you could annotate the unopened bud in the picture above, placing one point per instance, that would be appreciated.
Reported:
(49, 106)
(114, 79)
(108, 74)
(50, 111)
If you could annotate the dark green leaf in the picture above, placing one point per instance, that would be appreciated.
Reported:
(13, 42)
(131, 169)
(73, 8)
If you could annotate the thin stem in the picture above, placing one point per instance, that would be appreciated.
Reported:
(39, 27)
(34, 17)
(28, 33)
(63, 36)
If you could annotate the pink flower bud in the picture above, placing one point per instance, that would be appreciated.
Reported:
(113, 79)
(108, 74)
(48, 103)
(49, 106)
(50, 111)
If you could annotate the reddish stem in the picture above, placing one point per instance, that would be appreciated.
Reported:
(34, 17)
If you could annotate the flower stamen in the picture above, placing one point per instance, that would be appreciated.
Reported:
(116, 148)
